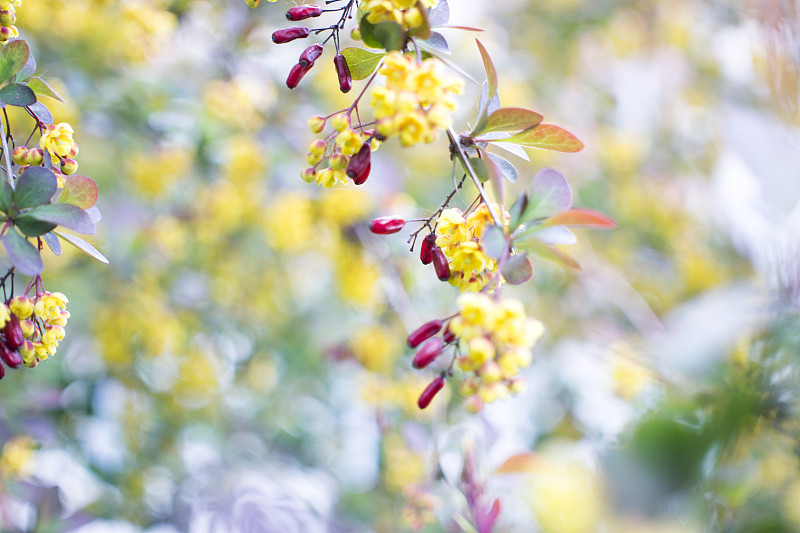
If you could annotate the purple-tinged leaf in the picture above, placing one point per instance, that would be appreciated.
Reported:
(504, 167)
(42, 114)
(517, 269)
(13, 58)
(80, 191)
(52, 242)
(28, 70)
(66, 215)
(515, 149)
(511, 119)
(437, 42)
(578, 216)
(95, 213)
(493, 241)
(550, 194)
(82, 245)
(491, 72)
(547, 137)
(553, 235)
(439, 14)
(22, 254)
(551, 253)
(465, 28)
(35, 187)
(518, 210)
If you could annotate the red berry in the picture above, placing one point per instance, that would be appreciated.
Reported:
(448, 334)
(303, 12)
(430, 391)
(13, 332)
(440, 264)
(359, 165)
(10, 357)
(386, 225)
(343, 71)
(310, 55)
(429, 351)
(424, 332)
(290, 34)
(426, 248)
(295, 75)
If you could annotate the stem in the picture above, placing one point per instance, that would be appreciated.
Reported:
(465, 161)
(7, 155)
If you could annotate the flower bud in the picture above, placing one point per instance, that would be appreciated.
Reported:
(313, 158)
(430, 391)
(310, 55)
(355, 34)
(386, 225)
(73, 151)
(428, 353)
(308, 175)
(295, 75)
(34, 156)
(426, 248)
(22, 306)
(13, 332)
(290, 34)
(10, 357)
(7, 18)
(5, 34)
(359, 165)
(69, 166)
(343, 72)
(340, 121)
(303, 12)
(18, 155)
(253, 3)
(316, 124)
(474, 404)
(424, 332)
(440, 264)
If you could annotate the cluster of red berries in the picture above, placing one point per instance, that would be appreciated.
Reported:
(313, 52)
(11, 339)
(431, 347)
(428, 251)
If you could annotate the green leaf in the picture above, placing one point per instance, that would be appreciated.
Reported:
(66, 215)
(82, 245)
(518, 269)
(6, 196)
(80, 191)
(52, 242)
(518, 210)
(361, 62)
(503, 167)
(494, 241)
(390, 35)
(17, 94)
(13, 58)
(30, 226)
(510, 119)
(551, 253)
(367, 31)
(40, 87)
(42, 113)
(550, 194)
(580, 217)
(491, 73)
(35, 187)
(547, 137)
(22, 254)
(479, 166)
(28, 70)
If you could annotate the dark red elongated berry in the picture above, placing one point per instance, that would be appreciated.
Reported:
(424, 332)
(343, 71)
(289, 34)
(13, 332)
(386, 225)
(303, 12)
(10, 357)
(429, 351)
(430, 391)
(448, 336)
(310, 55)
(2, 371)
(426, 248)
(296, 74)
(440, 264)
(361, 178)
(360, 162)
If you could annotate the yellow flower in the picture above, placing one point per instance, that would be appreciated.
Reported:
(451, 230)
(57, 139)
(469, 258)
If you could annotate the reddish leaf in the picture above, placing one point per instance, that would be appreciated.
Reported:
(80, 191)
(547, 137)
(491, 73)
(519, 463)
(511, 119)
(518, 269)
(580, 217)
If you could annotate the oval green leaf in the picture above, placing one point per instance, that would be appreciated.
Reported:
(390, 35)
(547, 137)
(80, 191)
(66, 215)
(83, 246)
(30, 226)
(361, 62)
(13, 58)
(17, 94)
(40, 87)
(22, 254)
(35, 187)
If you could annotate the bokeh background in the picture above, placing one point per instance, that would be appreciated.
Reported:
(240, 364)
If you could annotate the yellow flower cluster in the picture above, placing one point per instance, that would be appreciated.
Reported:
(57, 140)
(416, 100)
(8, 17)
(459, 238)
(43, 319)
(17, 456)
(495, 341)
(335, 150)
(405, 12)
